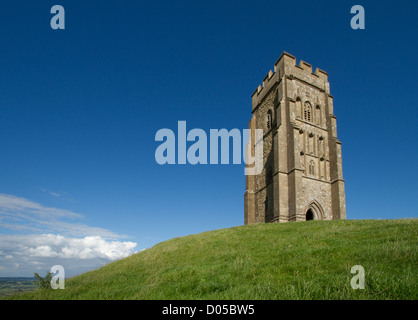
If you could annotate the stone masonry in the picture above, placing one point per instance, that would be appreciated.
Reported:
(302, 175)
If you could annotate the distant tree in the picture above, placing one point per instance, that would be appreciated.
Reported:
(43, 283)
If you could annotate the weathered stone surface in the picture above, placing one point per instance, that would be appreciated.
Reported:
(302, 164)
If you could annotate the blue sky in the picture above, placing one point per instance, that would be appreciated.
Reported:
(80, 108)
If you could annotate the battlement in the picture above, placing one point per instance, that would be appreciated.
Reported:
(286, 65)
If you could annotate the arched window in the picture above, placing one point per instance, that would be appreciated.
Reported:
(269, 119)
(299, 107)
(318, 115)
(307, 112)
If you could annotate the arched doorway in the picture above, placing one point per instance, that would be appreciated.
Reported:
(309, 215)
(314, 211)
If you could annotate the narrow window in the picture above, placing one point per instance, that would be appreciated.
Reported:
(318, 115)
(308, 112)
(299, 110)
(269, 120)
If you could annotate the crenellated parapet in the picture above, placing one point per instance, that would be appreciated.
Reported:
(286, 66)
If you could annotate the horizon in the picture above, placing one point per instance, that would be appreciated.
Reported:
(80, 185)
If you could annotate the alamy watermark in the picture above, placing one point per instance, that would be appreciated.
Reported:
(197, 153)
(357, 282)
(58, 278)
(54, 279)
(358, 21)
(58, 20)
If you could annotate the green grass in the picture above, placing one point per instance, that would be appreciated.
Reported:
(299, 260)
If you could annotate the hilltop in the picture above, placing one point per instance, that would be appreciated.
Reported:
(298, 260)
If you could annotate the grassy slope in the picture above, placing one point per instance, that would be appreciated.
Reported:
(303, 260)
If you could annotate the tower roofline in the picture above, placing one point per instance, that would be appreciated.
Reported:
(284, 65)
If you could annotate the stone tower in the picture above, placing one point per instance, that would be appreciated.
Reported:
(302, 175)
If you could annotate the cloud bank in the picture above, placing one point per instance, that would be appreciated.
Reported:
(45, 236)
(57, 246)
(22, 255)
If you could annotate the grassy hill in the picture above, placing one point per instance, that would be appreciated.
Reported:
(301, 260)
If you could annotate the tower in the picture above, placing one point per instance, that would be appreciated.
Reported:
(302, 167)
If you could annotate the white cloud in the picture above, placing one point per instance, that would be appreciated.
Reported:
(54, 194)
(50, 236)
(50, 245)
(42, 251)
(10, 203)
(96, 247)
(34, 252)
(20, 214)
